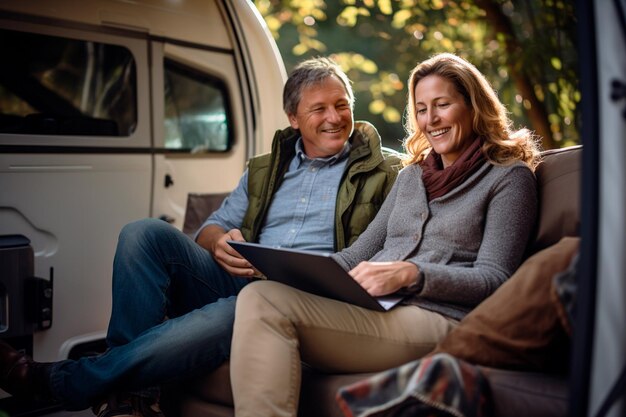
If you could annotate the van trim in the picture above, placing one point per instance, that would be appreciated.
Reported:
(246, 74)
(29, 149)
(189, 44)
(104, 29)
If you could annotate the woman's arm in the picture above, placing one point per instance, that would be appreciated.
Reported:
(373, 238)
(510, 219)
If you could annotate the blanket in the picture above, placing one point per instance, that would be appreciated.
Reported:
(437, 386)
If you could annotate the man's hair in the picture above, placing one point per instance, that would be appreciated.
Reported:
(311, 72)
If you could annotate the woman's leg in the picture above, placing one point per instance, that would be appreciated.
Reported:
(277, 327)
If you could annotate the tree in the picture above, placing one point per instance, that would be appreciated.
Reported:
(525, 48)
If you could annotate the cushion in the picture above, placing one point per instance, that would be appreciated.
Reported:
(524, 394)
(519, 326)
(199, 207)
(558, 181)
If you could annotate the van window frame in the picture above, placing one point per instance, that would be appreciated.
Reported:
(63, 107)
(139, 141)
(206, 78)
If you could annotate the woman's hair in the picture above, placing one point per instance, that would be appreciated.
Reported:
(502, 145)
(311, 72)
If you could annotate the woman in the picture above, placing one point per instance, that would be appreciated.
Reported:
(453, 228)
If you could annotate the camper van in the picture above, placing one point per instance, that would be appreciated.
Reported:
(117, 110)
(113, 111)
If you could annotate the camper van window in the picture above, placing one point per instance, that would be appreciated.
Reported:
(57, 86)
(197, 115)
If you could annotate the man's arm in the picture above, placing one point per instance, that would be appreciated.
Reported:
(209, 236)
(229, 216)
(212, 235)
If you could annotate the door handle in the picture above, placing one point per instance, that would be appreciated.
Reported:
(167, 218)
(168, 181)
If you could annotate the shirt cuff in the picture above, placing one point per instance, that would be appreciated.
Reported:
(417, 286)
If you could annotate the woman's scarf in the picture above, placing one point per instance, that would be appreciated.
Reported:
(439, 180)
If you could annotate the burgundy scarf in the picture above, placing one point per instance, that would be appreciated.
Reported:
(439, 180)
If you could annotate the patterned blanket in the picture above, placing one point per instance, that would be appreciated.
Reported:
(438, 385)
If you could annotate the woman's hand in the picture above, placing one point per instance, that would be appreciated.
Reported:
(382, 278)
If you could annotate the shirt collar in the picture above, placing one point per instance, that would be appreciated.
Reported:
(330, 160)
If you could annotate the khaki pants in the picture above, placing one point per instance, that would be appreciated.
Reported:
(277, 327)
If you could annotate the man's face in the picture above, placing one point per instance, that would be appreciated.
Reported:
(324, 118)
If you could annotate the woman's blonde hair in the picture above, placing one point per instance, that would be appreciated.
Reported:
(502, 145)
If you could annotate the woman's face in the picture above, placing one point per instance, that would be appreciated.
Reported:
(443, 117)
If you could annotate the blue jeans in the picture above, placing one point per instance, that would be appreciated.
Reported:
(158, 273)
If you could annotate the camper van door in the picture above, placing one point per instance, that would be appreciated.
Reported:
(114, 111)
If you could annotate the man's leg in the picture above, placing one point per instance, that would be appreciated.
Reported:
(177, 348)
(278, 326)
(153, 260)
(160, 272)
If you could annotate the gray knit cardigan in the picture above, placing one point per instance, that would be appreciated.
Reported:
(465, 243)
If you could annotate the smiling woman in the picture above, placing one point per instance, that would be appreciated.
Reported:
(444, 116)
(447, 92)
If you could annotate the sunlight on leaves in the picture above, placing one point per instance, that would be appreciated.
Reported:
(539, 92)
(349, 15)
(390, 84)
(348, 61)
(391, 115)
(437, 4)
(377, 106)
(385, 7)
(263, 6)
(369, 67)
(577, 96)
(378, 42)
(273, 25)
(299, 49)
(400, 18)
(308, 44)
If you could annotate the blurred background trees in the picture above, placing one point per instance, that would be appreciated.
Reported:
(526, 48)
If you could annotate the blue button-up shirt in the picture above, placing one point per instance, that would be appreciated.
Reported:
(302, 212)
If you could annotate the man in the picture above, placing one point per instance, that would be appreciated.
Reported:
(301, 195)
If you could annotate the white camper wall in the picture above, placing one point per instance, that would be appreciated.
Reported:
(71, 194)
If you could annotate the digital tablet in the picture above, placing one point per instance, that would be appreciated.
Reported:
(314, 272)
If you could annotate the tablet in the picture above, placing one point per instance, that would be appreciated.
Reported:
(313, 272)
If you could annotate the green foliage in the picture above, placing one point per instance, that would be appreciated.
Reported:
(526, 49)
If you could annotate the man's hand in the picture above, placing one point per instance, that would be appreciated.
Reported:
(382, 278)
(213, 238)
(229, 258)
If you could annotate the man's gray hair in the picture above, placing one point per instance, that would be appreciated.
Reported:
(310, 72)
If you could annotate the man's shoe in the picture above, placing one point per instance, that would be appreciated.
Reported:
(147, 405)
(16, 370)
(128, 405)
(21, 376)
(114, 406)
